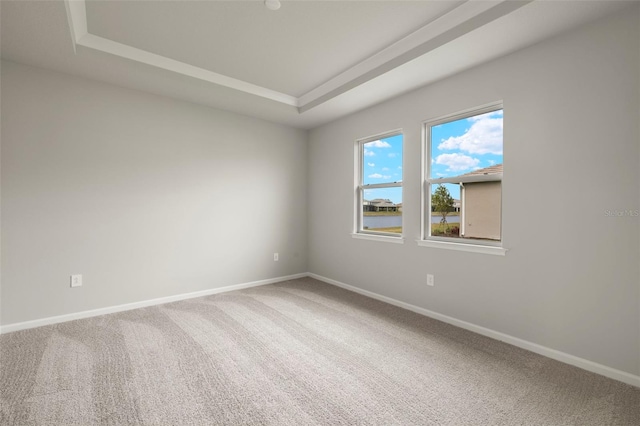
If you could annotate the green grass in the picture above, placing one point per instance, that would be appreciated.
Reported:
(440, 229)
(448, 214)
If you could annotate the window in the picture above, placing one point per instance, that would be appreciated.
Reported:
(378, 198)
(463, 165)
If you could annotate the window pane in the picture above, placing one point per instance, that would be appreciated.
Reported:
(482, 210)
(382, 160)
(463, 146)
(445, 210)
(382, 210)
(469, 152)
(470, 211)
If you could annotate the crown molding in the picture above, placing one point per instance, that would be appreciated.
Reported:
(77, 18)
(469, 16)
(128, 52)
(450, 26)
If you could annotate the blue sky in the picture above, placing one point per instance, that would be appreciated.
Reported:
(457, 147)
(383, 164)
(465, 145)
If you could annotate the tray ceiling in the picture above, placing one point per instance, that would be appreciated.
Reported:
(303, 65)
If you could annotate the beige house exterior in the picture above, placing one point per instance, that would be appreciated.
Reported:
(481, 214)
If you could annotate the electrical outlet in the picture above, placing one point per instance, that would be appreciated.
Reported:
(275, 257)
(76, 280)
(431, 280)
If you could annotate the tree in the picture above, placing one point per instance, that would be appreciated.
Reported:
(442, 202)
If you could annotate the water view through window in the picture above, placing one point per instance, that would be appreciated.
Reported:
(381, 188)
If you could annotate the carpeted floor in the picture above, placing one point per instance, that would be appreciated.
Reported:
(299, 352)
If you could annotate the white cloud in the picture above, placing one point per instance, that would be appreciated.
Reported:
(392, 155)
(385, 169)
(493, 114)
(371, 164)
(457, 162)
(377, 144)
(483, 137)
(399, 167)
(378, 176)
(368, 153)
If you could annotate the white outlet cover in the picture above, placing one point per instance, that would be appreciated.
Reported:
(76, 280)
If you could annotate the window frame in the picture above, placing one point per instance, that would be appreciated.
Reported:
(360, 187)
(463, 244)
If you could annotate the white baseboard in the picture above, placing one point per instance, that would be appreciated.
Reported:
(142, 304)
(591, 366)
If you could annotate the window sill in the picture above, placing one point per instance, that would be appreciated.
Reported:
(474, 248)
(374, 237)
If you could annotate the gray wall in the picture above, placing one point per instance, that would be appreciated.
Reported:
(570, 280)
(144, 196)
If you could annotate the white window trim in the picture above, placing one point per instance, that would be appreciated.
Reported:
(470, 247)
(359, 232)
(390, 238)
(476, 246)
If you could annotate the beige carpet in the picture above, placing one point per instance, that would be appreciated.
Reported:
(295, 353)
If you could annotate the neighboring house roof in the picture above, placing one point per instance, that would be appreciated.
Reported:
(491, 170)
(381, 201)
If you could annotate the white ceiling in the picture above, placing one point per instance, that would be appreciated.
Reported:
(304, 65)
(292, 51)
